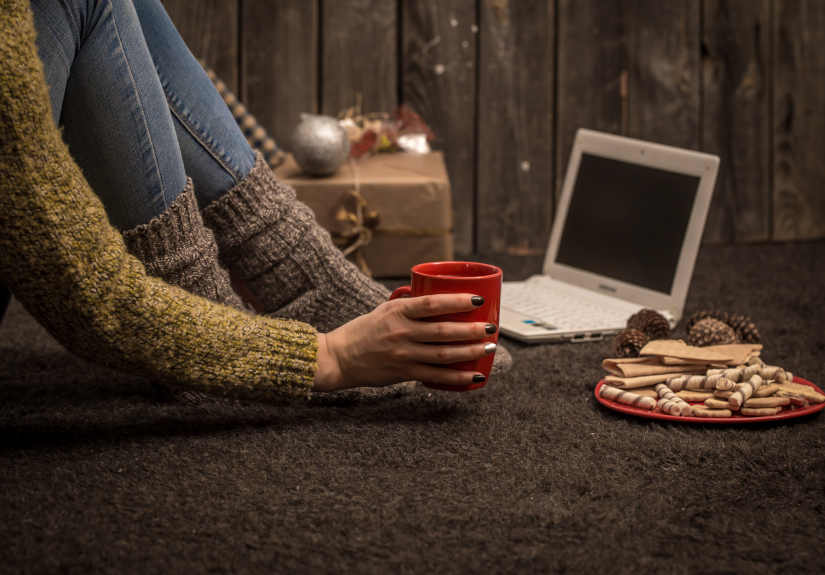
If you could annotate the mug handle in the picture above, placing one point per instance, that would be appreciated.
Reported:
(403, 291)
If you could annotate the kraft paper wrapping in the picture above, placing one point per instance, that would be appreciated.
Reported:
(410, 192)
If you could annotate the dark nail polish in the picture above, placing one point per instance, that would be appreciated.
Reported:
(490, 328)
(477, 300)
(478, 378)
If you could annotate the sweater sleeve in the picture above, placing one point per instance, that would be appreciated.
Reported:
(72, 272)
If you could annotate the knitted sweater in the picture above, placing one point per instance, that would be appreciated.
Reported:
(72, 272)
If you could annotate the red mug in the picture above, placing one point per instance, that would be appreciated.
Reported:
(460, 277)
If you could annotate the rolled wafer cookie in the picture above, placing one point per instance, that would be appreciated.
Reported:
(705, 412)
(679, 349)
(767, 402)
(673, 407)
(757, 411)
(641, 366)
(701, 382)
(646, 392)
(633, 382)
(627, 397)
(776, 373)
(734, 374)
(750, 370)
(769, 371)
(665, 360)
(809, 393)
(670, 403)
(715, 380)
(728, 354)
(742, 352)
(676, 383)
(689, 395)
(743, 391)
(798, 401)
(714, 403)
(766, 390)
(783, 376)
(723, 393)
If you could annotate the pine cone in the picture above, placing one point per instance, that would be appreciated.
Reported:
(629, 342)
(699, 316)
(745, 329)
(711, 331)
(742, 325)
(651, 322)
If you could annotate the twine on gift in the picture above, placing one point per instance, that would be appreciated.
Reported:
(359, 222)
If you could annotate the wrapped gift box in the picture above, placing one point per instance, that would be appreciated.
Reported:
(405, 199)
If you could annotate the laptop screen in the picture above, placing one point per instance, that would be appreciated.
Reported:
(627, 221)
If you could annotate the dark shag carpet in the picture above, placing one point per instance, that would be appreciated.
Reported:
(104, 472)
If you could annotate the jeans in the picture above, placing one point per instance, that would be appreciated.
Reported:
(138, 112)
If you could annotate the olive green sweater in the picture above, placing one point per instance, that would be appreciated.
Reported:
(71, 271)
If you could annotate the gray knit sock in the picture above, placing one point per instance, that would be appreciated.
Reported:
(273, 244)
(177, 248)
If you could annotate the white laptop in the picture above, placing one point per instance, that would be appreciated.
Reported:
(625, 237)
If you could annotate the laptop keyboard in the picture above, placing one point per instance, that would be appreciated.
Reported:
(555, 305)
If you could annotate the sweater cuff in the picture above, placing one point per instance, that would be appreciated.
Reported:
(284, 354)
(294, 348)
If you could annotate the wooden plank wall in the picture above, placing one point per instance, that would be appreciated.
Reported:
(506, 83)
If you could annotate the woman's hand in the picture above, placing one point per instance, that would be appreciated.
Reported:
(393, 344)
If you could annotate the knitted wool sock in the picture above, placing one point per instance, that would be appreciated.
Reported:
(272, 243)
(177, 248)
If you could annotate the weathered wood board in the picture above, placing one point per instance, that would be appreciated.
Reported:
(439, 82)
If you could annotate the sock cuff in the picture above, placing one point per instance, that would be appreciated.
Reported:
(246, 214)
(172, 240)
(251, 207)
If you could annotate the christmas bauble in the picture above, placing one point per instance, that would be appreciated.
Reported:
(319, 144)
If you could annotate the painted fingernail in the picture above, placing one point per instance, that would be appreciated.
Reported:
(478, 378)
(477, 300)
(489, 348)
(490, 328)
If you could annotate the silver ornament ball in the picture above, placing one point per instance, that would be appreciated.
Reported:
(319, 144)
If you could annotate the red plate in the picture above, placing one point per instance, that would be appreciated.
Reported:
(784, 414)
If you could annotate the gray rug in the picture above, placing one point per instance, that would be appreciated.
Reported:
(106, 472)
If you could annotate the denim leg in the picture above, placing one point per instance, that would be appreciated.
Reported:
(215, 151)
(105, 93)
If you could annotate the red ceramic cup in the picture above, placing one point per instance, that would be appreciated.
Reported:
(460, 277)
